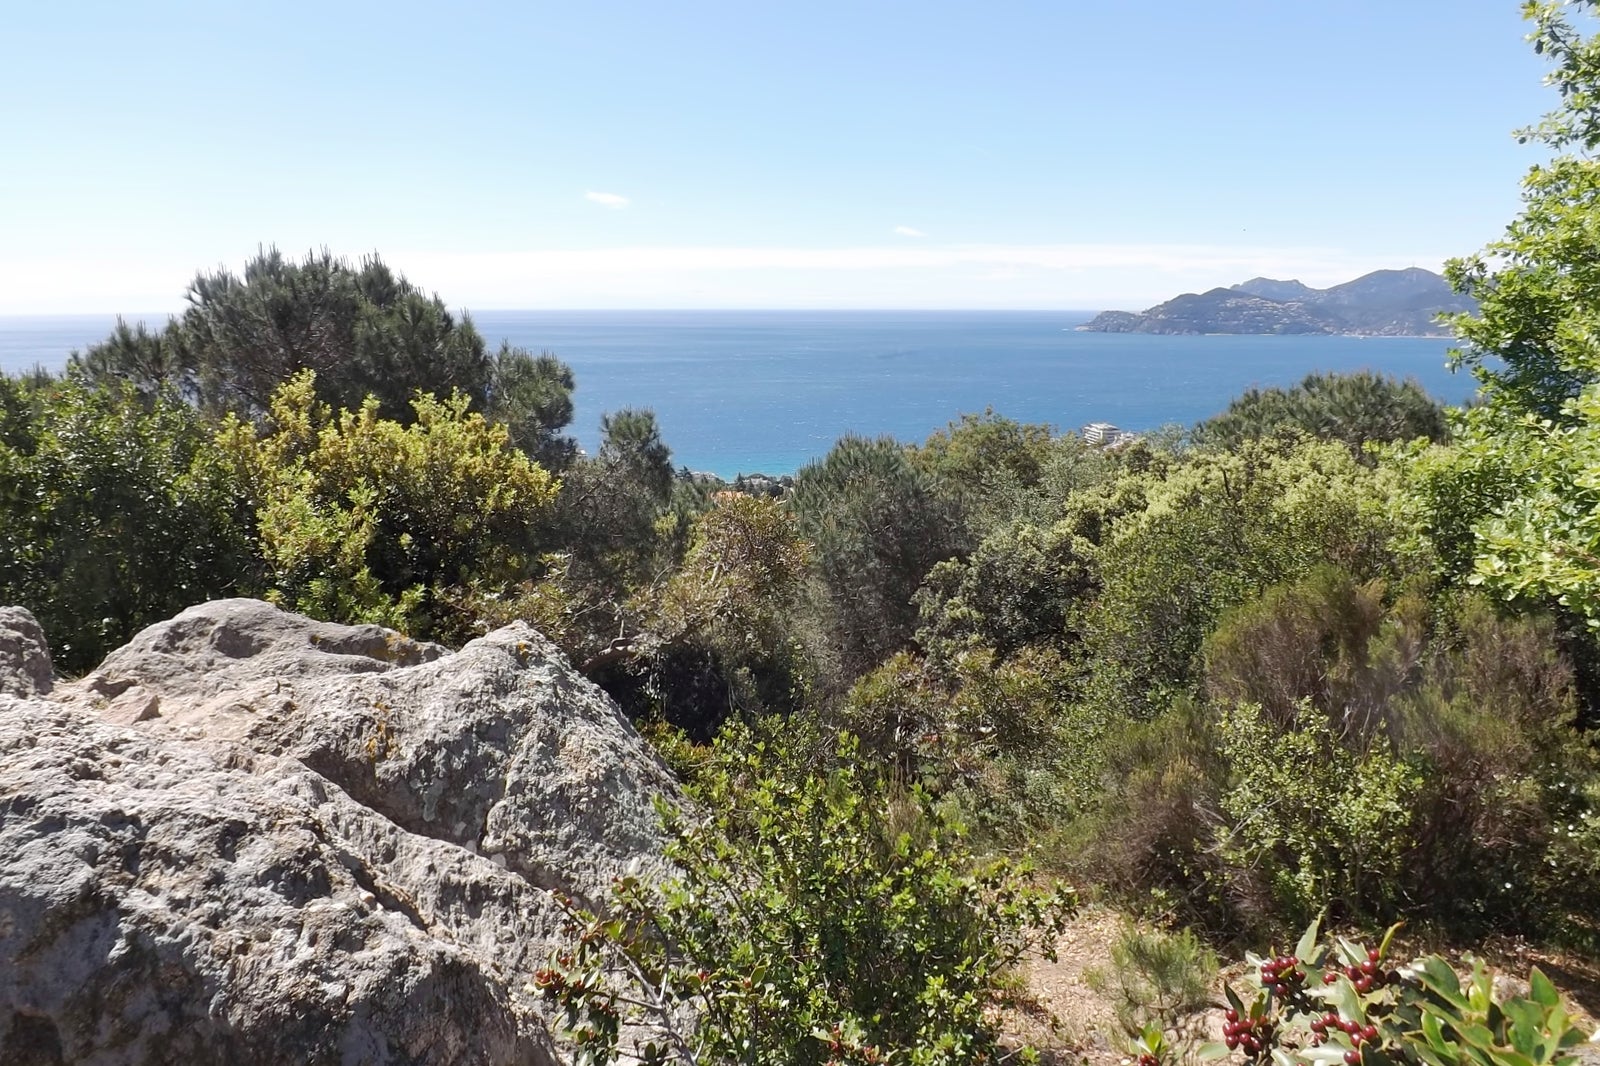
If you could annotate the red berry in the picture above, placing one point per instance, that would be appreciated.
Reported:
(1364, 985)
(1352, 1057)
(1329, 978)
(1374, 955)
(1369, 1032)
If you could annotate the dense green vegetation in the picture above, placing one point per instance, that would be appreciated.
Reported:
(800, 931)
(1333, 651)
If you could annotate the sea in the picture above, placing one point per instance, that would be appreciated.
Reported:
(769, 391)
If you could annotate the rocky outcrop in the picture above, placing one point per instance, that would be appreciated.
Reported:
(24, 655)
(251, 837)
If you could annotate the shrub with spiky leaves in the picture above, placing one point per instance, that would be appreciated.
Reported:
(1338, 1001)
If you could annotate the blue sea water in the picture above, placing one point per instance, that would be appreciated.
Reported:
(771, 390)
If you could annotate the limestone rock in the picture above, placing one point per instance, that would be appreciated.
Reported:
(501, 748)
(257, 838)
(24, 656)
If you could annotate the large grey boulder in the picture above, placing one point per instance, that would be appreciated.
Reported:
(251, 837)
(24, 656)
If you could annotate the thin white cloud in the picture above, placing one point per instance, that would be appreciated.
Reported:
(909, 231)
(1310, 264)
(903, 275)
(606, 199)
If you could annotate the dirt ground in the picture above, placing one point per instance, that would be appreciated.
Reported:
(1059, 1013)
(1069, 1022)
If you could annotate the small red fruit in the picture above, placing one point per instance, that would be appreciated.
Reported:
(1352, 1057)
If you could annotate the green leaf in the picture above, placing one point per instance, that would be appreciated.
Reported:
(1476, 1035)
(1437, 977)
(1527, 1022)
(1347, 999)
(1433, 1031)
(1388, 938)
(1308, 940)
(1541, 990)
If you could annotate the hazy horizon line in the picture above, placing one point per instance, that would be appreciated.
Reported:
(635, 310)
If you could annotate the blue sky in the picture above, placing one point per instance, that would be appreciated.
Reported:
(864, 154)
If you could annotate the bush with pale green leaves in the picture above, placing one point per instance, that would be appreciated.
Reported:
(820, 916)
(362, 519)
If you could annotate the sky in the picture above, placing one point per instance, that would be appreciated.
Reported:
(869, 153)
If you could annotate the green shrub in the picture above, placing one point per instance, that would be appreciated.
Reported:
(1150, 839)
(1217, 532)
(1342, 1002)
(1005, 740)
(1352, 408)
(1021, 586)
(1325, 825)
(818, 918)
(1157, 979)
(877, 523)
(1327, 640)
(364, 519)
(116, 511)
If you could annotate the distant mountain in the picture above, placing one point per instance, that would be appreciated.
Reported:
(1268, 289)
(1384, 303)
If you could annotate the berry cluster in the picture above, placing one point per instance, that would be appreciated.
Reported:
(1252, 1034)
(1147, 1060)
(1367, 976)
(1283, 975)
(1284, 978)
(1359, 1034)
(549, 980)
